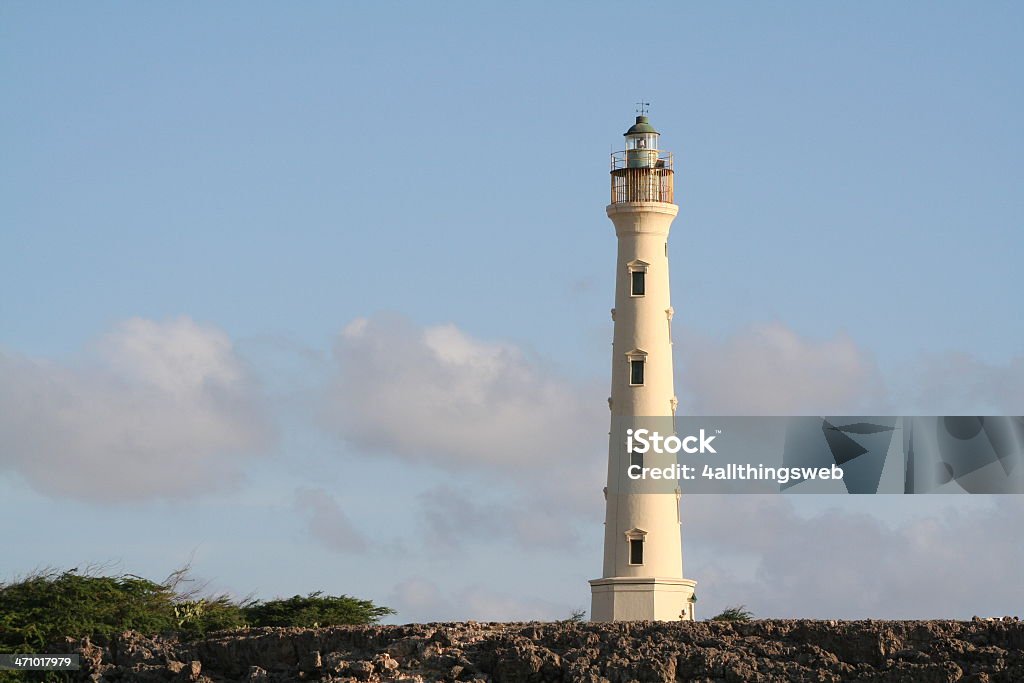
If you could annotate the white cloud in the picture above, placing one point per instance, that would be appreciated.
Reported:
(470, 407)
(769, 369)
(436, 394)
(845, 563)
(957, 383)
(156, 410)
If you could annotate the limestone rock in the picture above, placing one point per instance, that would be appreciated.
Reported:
(766, 650)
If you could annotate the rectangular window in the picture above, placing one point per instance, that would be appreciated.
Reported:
(636, 372)
(637, 282)
(636, 551)
(636, 458)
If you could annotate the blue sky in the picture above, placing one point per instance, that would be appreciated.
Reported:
(248, 181)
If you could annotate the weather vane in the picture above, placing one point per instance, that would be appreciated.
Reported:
(642, 108)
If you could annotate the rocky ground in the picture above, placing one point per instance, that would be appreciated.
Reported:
(769, 650)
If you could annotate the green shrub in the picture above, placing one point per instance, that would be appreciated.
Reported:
(49, 605)
(195, 618)
(738, 613)
(315, 610)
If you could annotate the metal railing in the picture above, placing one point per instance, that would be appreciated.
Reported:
(642, 185)
(641, 158)
(650, 180)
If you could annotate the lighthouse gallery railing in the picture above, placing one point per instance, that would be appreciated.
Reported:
(642, 175)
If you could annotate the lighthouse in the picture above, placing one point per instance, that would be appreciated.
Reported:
(642, 577)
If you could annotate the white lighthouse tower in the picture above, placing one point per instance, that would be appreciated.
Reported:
(643, 563)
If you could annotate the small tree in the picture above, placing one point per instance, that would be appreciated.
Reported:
(737, 613)
(194, 618)
(315, 610)
(578, 616)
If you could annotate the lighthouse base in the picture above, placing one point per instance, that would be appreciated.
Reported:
(642, 598)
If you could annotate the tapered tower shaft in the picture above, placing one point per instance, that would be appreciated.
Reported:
(642, 576)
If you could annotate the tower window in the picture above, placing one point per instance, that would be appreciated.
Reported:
(637, 277)
(636, 551)
(637, 282)
(636, 458)
(636, 372)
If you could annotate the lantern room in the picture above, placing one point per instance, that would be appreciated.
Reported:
(642, 172)
(641, 144)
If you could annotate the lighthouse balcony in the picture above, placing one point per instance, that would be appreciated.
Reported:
(642, 175)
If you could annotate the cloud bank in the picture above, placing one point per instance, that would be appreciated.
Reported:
(327, 521)
(957, 383)
(765, 551)
(154, 410)
(769, 369)
(953, 562)
(435, 394)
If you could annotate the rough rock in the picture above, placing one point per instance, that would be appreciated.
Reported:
(706, 652)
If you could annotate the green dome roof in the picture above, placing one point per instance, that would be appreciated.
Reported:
(642, 125)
